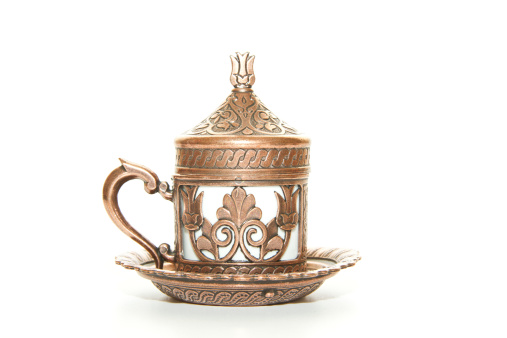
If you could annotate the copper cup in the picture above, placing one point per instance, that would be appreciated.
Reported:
(240, 190)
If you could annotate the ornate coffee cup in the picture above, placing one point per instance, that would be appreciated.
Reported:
(240, 190)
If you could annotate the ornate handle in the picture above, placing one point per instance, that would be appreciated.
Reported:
(119, 176)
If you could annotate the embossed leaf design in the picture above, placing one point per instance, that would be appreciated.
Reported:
(204, 244)
(264, 116)
(206, 228)
(197, 204)
(269, 126)
(272, 229)
(223, 125)
(282, 206)
(239, 208)
(275, 243)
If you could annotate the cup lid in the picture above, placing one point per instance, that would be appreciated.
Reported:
(242, 120)
(242, 139)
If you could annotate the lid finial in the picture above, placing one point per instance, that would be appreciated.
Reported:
(242, 75)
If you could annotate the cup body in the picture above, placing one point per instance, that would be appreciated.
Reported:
(237, 210)
(240, 226)
(240, 189)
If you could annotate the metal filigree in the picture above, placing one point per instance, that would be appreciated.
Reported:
(240, 220)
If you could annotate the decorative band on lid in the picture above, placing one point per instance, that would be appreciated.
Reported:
(243, 158)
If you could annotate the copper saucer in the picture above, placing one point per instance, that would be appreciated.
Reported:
(242, 289)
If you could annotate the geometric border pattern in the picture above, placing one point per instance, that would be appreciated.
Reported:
(243, 158)
(237, 297)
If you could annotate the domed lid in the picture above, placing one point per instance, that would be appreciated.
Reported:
(242, 120)
(242, 139)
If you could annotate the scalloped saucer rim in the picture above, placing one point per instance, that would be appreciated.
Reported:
(321, 262)
(242, 289)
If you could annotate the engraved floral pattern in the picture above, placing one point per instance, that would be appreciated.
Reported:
(242, 113)
(225, 119)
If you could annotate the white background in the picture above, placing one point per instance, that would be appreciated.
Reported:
(405, 102)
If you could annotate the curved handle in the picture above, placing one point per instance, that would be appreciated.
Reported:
(119, 176)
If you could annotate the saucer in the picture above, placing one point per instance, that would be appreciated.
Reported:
(242, 289)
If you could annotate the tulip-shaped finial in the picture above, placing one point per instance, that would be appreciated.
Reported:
(242, 75)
